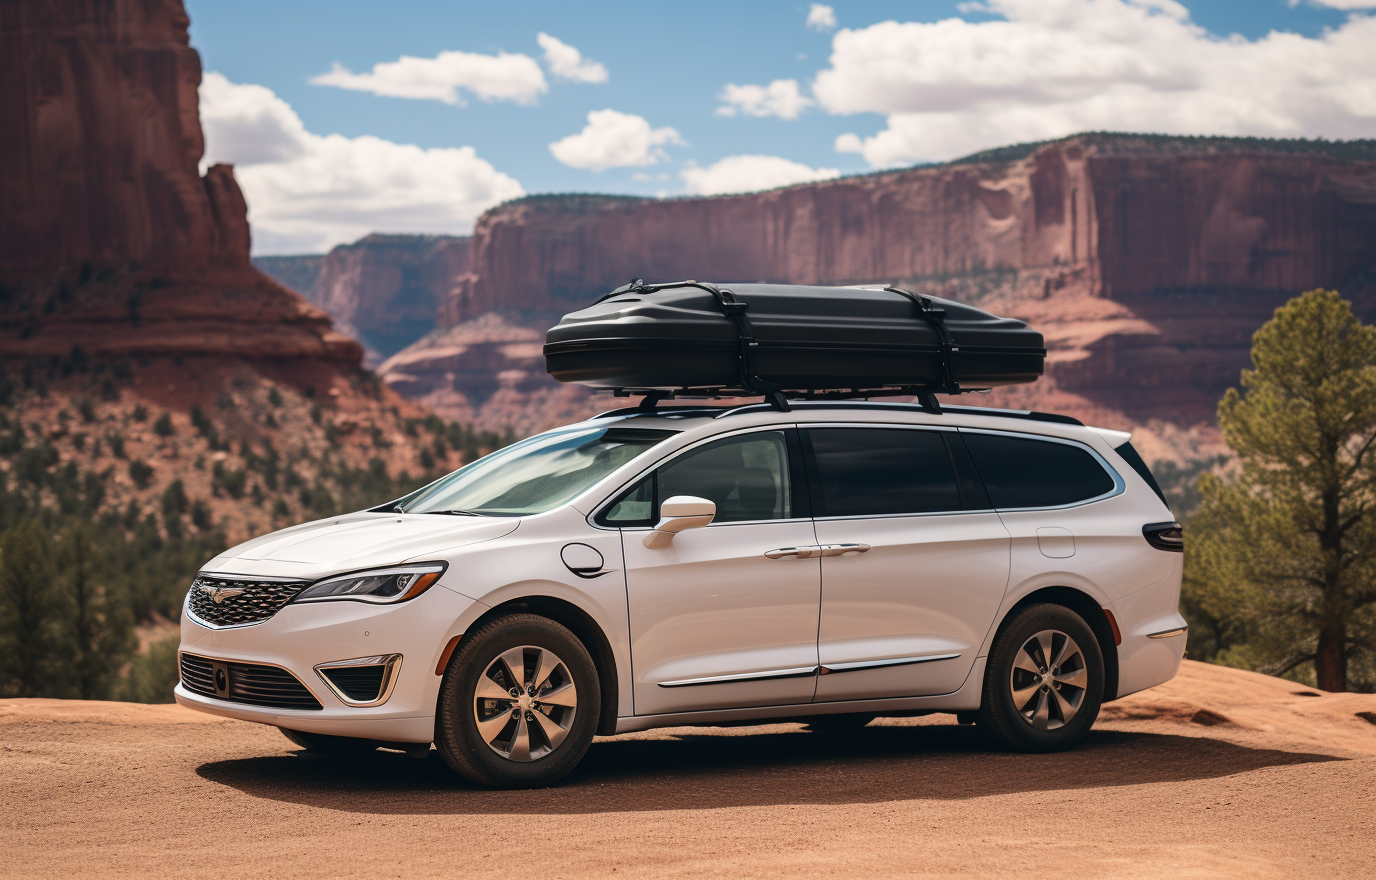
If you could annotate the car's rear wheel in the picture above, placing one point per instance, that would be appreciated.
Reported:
(519, 703)
(325, 744)
(1044, 682)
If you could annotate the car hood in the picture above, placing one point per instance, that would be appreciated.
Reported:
(356, 541)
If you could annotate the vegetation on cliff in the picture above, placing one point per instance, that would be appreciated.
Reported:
(114, 491)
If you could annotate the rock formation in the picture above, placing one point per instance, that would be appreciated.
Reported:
(110, 239)
(384, 290)
(150, 376)
(1147, 261)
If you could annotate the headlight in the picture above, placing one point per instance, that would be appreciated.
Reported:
(379, 585)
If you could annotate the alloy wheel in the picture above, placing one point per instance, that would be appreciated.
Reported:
(1048, 680)
(525, 703)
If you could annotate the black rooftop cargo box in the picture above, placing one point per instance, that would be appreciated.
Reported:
(757, 338)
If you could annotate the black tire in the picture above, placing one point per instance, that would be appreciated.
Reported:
(839, 723)
(325, 744)
(479, 661)
(1049, 714)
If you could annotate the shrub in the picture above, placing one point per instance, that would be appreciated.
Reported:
(153, 673)
(141, 473)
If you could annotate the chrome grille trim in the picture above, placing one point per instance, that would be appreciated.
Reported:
(244, 601)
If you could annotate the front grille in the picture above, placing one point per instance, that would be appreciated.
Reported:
(255, 602)
(362, 684)
(251, 683)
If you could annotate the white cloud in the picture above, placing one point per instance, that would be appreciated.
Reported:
(506, 76)
(781, 98)
(568, 63)
(308, 192)
(614, 140)
(1051, 68)
(1341, 4)
(820, 17)
(750, 173)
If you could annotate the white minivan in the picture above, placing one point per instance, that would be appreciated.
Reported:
(830, 562)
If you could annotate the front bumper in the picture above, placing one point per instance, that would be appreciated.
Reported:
(300, 637)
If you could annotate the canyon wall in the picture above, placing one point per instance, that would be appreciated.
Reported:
(1148, 262)
(1141, 223)
(384, 290)
(110, 238)
(100, 142)
(142, 357)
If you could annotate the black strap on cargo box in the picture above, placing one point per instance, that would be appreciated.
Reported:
(735, 312)
(935, 316)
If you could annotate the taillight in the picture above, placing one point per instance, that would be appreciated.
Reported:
(1168, 536)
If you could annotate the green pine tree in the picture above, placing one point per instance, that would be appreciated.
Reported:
(101, 623)
(1282, 557)
(34, 659)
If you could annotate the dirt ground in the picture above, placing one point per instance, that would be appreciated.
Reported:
(1220, 773)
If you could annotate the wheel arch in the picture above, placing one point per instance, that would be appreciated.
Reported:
(1092, 613)
(582, 625)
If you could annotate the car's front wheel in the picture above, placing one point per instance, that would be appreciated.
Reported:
(1044, 681)
(519, 703)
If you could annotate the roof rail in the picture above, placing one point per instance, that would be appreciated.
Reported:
(1026, 415)
(720, 412)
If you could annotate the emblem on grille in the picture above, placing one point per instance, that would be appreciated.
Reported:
(219, 594)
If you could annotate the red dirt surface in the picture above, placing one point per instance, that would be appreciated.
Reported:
(1219, 773)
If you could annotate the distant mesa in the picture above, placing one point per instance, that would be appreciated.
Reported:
(1148, 262)
(384, 290)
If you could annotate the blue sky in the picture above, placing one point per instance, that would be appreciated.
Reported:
(1064, 65)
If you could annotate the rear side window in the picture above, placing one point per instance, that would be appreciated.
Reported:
(1021, 472)
(881, 471)
(1134, 460)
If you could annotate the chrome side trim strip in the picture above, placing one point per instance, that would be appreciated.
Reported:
(1166, 634)
(831, 668)
(391, 664)
(793, 672)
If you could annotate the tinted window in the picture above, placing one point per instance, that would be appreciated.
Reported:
(877, 471)
(1036, 473)
(535, 475)
(635, 507)
(746, 477)
(1134, 460)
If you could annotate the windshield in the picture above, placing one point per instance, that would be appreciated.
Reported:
(535, 475)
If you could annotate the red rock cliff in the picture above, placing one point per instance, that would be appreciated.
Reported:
(384, 290)
(1147, 261)
(101, 138)
(110, 239)
(1138, 223)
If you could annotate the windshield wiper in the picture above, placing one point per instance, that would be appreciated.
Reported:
(458, 512)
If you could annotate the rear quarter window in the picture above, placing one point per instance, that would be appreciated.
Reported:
(1023, 472)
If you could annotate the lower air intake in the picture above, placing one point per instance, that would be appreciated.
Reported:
(362, 684)
(252, 683)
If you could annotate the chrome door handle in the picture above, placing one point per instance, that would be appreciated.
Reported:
(807, 552)
(844, 549)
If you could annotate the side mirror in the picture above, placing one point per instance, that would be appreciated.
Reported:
(679, 513)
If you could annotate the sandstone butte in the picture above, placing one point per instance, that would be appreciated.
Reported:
(1146, 261)
(126, 289)
(109, 236)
